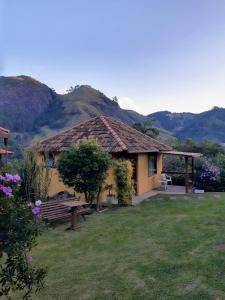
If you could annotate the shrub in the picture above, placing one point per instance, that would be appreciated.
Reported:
(35, 177)
(123, 171)
(18, 233)
(84, 168)
(208, 176)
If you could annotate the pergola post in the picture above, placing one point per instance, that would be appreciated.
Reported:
(193, 171)
(186, 175)
(6, 149)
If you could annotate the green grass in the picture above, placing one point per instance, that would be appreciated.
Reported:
(162, 249)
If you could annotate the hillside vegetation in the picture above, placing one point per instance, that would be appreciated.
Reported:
(31, 109)
(209, 125)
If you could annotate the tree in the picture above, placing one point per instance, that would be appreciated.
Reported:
(147, 128)
(84, 168)
(115, 99)
(18, 233)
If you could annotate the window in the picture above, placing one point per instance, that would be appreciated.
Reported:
(152, 164)
(50, 160)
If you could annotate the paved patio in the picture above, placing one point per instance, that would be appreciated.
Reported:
(171, 189)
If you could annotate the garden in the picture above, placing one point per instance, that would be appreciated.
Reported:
(172, 247)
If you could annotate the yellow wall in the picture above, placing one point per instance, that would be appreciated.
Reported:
(57, 185)
(147, 183)
(144, 182)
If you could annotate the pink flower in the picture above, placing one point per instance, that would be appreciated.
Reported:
(2, 178)
(29, 257)
(12, 178)
(36, 210)
(7, 190)
(30, 204)
(38, 203)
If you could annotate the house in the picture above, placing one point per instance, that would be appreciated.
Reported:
(4, 133)
(118, 139)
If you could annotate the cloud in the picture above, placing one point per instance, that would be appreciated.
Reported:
(128, 103)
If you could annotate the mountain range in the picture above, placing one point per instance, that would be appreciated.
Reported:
(31, 110)
(208, 125)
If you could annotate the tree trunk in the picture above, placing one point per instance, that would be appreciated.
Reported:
(98, 200)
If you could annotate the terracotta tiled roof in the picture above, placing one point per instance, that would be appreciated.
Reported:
(113, 135)
(4, 133)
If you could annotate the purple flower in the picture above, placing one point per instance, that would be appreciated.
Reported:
(36, 210)
(29, 257)
(7, 190)
(2, 178)
(12, 178)
(210, 172)
(30, 204)
(38, 203)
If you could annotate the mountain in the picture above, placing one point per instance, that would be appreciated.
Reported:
(31, 109)
(208, 125)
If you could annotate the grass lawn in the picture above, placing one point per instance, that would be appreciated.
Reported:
(162, 249)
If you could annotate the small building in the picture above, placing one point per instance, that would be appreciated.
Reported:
(4, 134)
(120, 140)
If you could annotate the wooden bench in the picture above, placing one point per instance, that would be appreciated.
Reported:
(52, 211)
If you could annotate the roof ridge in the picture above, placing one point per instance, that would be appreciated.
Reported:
(115, 135)
(64, 130)
(140, 133)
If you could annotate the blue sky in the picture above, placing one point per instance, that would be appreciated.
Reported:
(153, 55)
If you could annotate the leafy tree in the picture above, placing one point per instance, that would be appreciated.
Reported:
(207, 148)
(84, 168)
(72, 88)
(18, 233)
(147, 128)
(115, 99)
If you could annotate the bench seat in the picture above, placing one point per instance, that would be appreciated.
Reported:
(52, 211)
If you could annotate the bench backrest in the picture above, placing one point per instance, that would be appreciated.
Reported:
(54, 207)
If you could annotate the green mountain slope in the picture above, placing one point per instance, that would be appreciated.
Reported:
(207, 125)
(31, 109)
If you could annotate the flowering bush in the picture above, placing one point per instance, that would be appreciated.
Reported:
(18, 232)
(210, 173)
(208, 176)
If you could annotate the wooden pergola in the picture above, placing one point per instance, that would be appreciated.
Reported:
(187, 156)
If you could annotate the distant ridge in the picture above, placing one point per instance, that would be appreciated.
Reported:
(208, 125)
